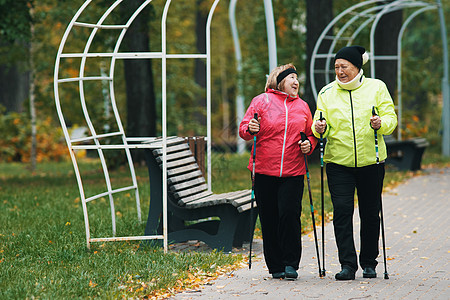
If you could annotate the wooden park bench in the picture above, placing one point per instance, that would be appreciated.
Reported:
(222, 221)
(405, 154)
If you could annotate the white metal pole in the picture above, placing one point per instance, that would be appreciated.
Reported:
(239, 97)
(445, 86)
(208, 92)
(164, 121)
(271, 36)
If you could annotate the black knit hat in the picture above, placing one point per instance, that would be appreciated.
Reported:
(353, 54)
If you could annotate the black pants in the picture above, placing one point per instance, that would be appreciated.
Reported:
(280, 203)
(368, 182)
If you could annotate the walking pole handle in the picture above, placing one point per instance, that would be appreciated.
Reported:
(321, 118)
(373, 111)
(303, 135)
(255, 116)
(304, 138)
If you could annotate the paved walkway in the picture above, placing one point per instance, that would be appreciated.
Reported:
(417, 224)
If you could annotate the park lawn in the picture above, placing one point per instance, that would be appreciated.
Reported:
(43, 250)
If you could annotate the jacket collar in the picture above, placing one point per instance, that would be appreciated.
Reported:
(282, 94)
(353, 84)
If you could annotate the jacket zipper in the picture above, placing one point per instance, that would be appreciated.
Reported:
(284, 139)
(353, 127)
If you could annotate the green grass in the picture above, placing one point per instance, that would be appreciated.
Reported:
(43, 250)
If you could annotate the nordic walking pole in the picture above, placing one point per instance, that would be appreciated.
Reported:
(322, 201)
(304, 138)
(253, 198)
(386, 276)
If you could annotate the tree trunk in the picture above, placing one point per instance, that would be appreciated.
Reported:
(33, 152)
(141, 101)
(14, 86)
(318, 14)
(386, 35)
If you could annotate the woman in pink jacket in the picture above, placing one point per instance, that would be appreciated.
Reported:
(280, 166)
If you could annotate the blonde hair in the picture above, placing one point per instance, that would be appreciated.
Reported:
(272, 79)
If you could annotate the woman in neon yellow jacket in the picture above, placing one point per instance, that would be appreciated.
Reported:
(348, 125)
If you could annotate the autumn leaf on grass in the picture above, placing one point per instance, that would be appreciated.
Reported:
(92, 284)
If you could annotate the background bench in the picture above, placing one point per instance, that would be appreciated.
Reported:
(220, 220)
(405, 154)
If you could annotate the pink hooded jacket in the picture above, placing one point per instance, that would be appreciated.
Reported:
(283, 117)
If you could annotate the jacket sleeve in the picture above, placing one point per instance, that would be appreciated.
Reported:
(249, 114)
(320, 108)
(309, 133)
(386, 111)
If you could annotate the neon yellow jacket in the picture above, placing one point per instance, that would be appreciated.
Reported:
(350, 138)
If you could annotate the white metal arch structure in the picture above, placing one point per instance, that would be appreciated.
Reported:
(349, 25)
(95, 140)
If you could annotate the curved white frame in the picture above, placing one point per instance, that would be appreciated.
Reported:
(127, 142)
(373, 15)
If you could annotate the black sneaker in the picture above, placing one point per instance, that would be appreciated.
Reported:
(291, 273)
(345, 274)
(369, 272)
(278, 275)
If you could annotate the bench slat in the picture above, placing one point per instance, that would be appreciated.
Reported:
(246, 207)
(185, 177)
(236, 198)
(172, 148)
(242, 204)
(177, 163)
(170, 140)
(212, 198)
(239, 194)
(176, 156)
(182, 169)
(208, 201)
(185, 200)
(179, 154)
(242, 198)
(189, 192)
(187, 184)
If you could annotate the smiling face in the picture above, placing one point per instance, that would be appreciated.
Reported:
(290, 85)
(345, 70)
